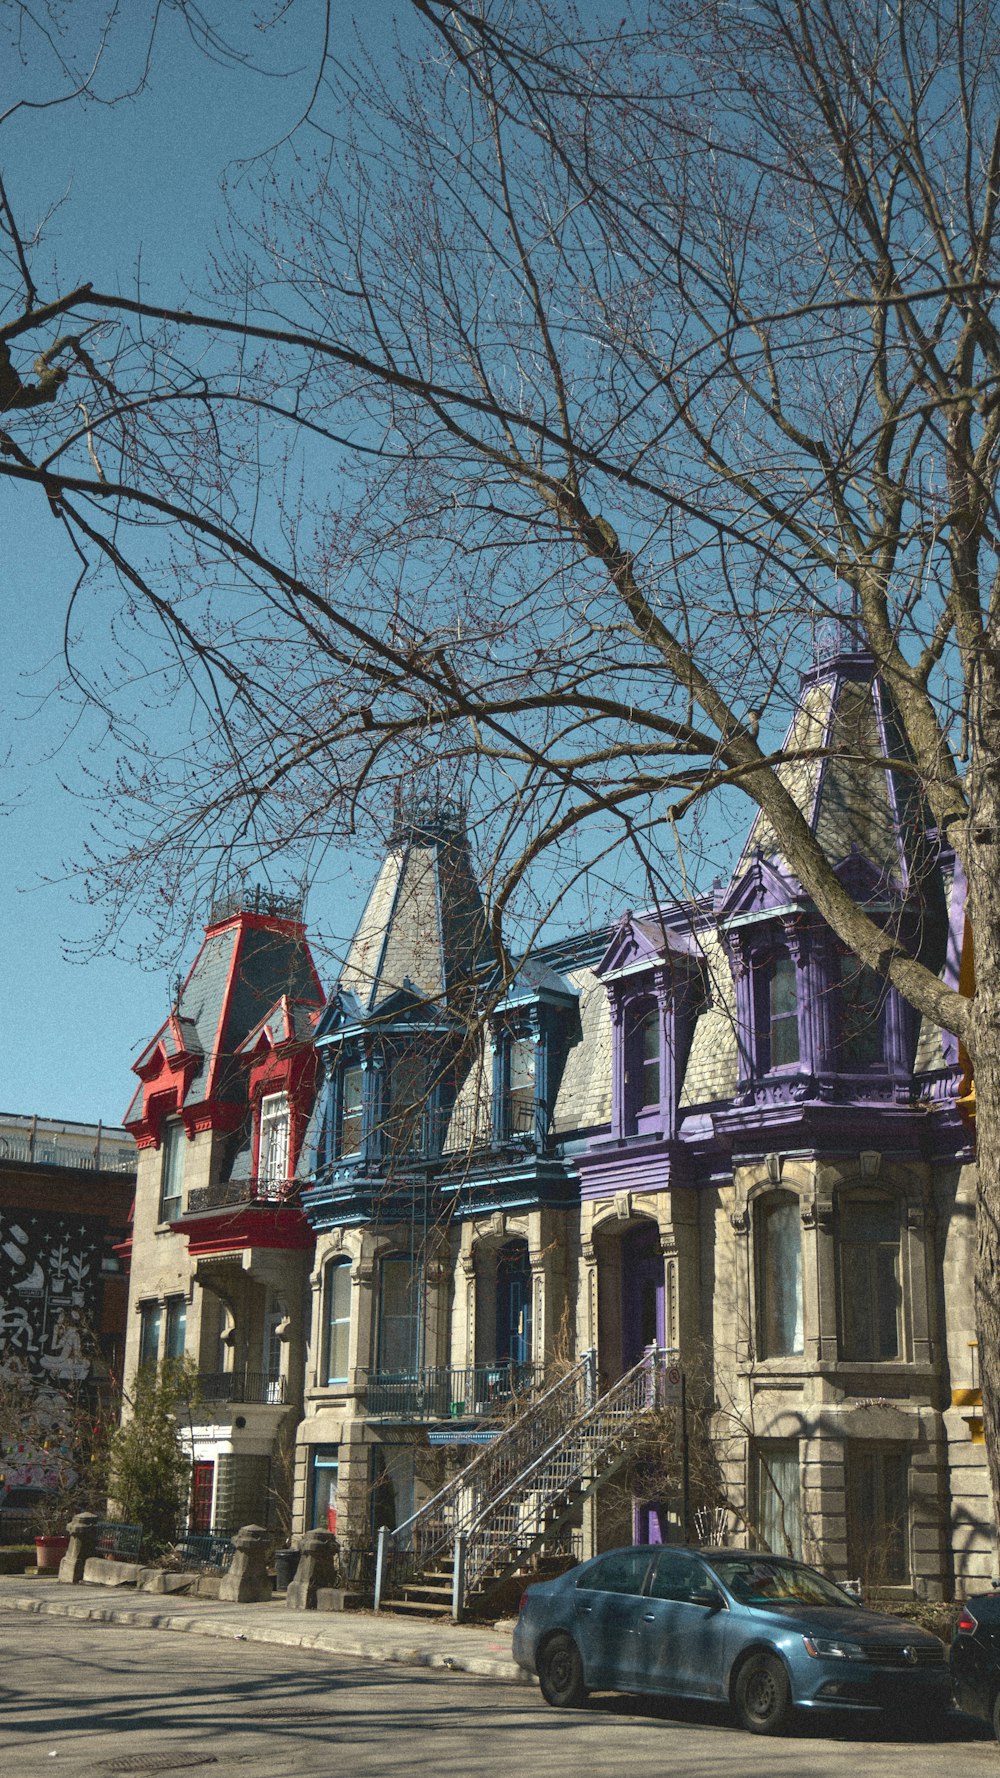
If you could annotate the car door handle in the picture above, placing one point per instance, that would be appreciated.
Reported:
(585, 1608)
(649, 1617)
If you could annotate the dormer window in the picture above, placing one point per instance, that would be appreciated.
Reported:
(407, 1097)
(648, 1047)
(352, 1083)
(172, 1174)
(522, 1086)
(272, 1166)
(862, 1010)
(782, 1012)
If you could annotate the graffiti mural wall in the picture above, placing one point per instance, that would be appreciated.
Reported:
(50, 1283)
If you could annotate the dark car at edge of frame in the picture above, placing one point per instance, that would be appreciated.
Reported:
(975, 1658)
(762, 1633)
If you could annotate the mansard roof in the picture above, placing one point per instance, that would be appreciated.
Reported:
(866, 812)
(249, 966)
(423, 931)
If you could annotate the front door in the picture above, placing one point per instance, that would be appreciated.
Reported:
(513, 1317)
(682, 1645)
(202, 1487)
(642, 1293)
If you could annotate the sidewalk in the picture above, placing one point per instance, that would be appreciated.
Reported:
(369, 1636)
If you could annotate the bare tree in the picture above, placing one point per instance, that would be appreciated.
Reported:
(553, 385)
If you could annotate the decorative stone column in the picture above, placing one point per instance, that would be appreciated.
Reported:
(247, 1580)
(82, 1544)
(319, 1566)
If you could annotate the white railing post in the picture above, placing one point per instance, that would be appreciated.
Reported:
(458, 1579)
(383, 1536)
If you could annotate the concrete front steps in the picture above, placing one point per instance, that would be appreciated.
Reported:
(430, 1595)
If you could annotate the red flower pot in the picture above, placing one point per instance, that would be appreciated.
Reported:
(49, 1552)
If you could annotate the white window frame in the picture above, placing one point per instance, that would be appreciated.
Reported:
(275, 1134)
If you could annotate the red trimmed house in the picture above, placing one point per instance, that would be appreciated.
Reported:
(221, 1252)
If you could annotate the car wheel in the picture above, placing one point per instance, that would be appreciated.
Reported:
(560, 1673)
(763, 1696)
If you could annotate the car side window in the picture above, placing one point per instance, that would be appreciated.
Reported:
(678, 1577)
(622, 1571)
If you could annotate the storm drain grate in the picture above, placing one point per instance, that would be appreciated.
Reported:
(158, 1762)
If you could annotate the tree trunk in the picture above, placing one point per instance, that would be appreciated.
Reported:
(983, 871)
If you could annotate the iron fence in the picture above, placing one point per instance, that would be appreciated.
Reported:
(208, 1551)
(118, 1542)
(256, 1387)
(443, 1393)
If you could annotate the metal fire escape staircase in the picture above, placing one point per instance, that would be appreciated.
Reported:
(520, 1490)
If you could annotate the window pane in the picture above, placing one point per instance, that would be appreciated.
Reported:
(325, 1468)
(398, 1322)
(784, 1032)
(150, 1317)
(862, 1005)
(273, 1163)
(338, 1321)
(779, 1275)
(678, 1577)
(176, 1327)
(868, 1234)
(779, 1512)
(621, 1572)
(350, 1131)
(407, 1093)
(650, 1036)
(172, 1175)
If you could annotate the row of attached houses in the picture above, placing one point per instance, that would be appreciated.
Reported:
(384, 1223)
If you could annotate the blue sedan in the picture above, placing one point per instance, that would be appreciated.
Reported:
(760, 1632)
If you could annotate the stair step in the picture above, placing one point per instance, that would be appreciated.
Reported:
(417, 1607)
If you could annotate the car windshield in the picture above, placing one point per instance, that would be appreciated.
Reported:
(767, 1580)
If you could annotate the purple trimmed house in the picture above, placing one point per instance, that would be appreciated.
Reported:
(706, 1130)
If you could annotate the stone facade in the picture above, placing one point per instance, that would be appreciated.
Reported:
(704, 1128)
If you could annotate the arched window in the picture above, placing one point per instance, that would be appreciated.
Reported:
(336, 1321)
(782, 1012)
(778, 1249)
(868, 1265)
(399, 1316)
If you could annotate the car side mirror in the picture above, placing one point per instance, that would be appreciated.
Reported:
(709, 1597)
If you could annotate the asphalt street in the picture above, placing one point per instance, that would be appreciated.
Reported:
(86, 1698)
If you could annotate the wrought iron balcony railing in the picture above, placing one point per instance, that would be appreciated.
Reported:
(473, 1128)
(444, 1393)
(243, 1386)
(231, 1194)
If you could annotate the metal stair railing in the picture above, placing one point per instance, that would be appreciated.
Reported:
(499, 1511)
(432, 1531)
(513, 1523)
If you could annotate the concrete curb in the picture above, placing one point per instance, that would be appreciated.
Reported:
(388, 1654)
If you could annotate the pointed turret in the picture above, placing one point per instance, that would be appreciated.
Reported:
(423, 932)
(846, 768)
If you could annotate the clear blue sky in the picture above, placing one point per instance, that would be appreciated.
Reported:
(139, 191)
(139, 184)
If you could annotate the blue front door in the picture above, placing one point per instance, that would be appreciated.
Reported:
(642, 1293)
(513, 1316)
